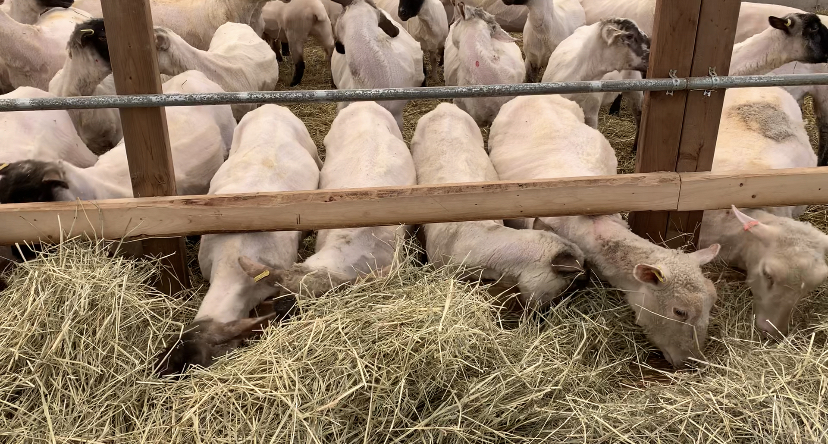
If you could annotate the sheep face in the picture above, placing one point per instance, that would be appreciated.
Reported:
(478, 19)
(88, 47)
(204, 341)
(808, 37)
(784, 260)
(629, 43)
(409, 9)
(32, 181)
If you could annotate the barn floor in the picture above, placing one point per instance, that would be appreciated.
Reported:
(411, 358)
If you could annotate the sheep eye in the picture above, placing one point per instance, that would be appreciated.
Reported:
(680, 313)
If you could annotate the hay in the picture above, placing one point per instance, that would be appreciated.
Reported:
(418, 356)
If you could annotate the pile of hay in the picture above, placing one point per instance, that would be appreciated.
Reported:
(415, 357)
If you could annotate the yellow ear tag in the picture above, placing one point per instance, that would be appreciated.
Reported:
(3, 166)
(261, 276)
(788, 23)
(658, 275)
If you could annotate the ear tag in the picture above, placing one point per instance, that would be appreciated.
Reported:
(261, 276)
(3, 166)
(658, 275)
(788, 23)
(751, 224)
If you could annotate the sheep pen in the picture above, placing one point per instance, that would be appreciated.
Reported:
(417, 356)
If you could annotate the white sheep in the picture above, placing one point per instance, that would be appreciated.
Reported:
(448, 148)
(539, 137)
(594, 51)
(32, 54)
(373, 51)
(40, 135)
(549, 22)
(197, 144)
(87, 72)
(237, 60)
(761, 129)
(426, 21)
(272, 151)
(364, 148)
(293, 23)
(479, 52)
(512, 18)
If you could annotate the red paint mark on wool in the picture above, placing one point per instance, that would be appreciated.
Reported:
(477, 63)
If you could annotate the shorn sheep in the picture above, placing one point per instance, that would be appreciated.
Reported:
(548, 24)
(448, 148)
(538, 137)
(272, 151)
(288, 25)
(479, 52)
(426, 21)
(364, 148)
(373, 51)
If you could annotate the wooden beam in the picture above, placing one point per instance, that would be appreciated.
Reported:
(703, 113)
(323, 209)
(673, 42)
(313, 210)
(131, 42)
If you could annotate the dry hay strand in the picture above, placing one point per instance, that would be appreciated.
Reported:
(417, 356)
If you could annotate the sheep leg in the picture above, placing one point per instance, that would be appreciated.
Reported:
(297, 55)
(636, 98)
(286, 48)
(821, 115)
(531, 72)
(425, 73)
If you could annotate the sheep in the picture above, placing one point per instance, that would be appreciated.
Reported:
(238, 60)
(29, 11)
(426, 21)
(510, 18)
(198, 150)
(292, 23)
(479, 52)
(537, 137)
(549, 22)
(762, 128)
(364, 148)
(32, 54)
(40, 135)
(272, 151)
(381, 54)
(594, 51)
(334, 10)
(87, 72)
(447, 147)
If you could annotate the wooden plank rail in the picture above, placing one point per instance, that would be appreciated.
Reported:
(131, 42)
(311, 210)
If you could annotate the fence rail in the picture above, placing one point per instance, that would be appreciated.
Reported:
(325, 209)
(443, 92)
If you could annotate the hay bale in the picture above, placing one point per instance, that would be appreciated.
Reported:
(418, 356)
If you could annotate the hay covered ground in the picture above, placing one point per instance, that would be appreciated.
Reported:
(416, 357)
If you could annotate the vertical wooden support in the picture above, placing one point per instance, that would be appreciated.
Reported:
(673, 42)
(678, 132)
(131, 42)
(702, 115)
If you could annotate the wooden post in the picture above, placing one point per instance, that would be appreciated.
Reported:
(702, 115)
(131, 42)
(678, 132)
(673, 42)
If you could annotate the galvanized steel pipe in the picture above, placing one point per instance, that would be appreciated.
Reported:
(442, 92)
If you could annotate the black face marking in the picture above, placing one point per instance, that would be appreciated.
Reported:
(816, 37)
(340, 48)
(47, 4)
(633, 38)
(515, 2)
(91, 35)
(409, 8)
(30, 181)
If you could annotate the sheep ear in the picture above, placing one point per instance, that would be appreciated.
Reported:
(243, 328)
(781, 24)
(502, 36)
(162, 39)
(649, 274)
(259, 272)
(753, 226)
(706, 255)
(386, 25)
(54, 176)
(540, 225)
(610, 33)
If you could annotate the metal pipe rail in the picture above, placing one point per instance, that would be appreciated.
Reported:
(443, 92)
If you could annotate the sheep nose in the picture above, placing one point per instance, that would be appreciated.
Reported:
(770, 330)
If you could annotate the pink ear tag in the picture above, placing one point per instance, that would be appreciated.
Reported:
(751, 224)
